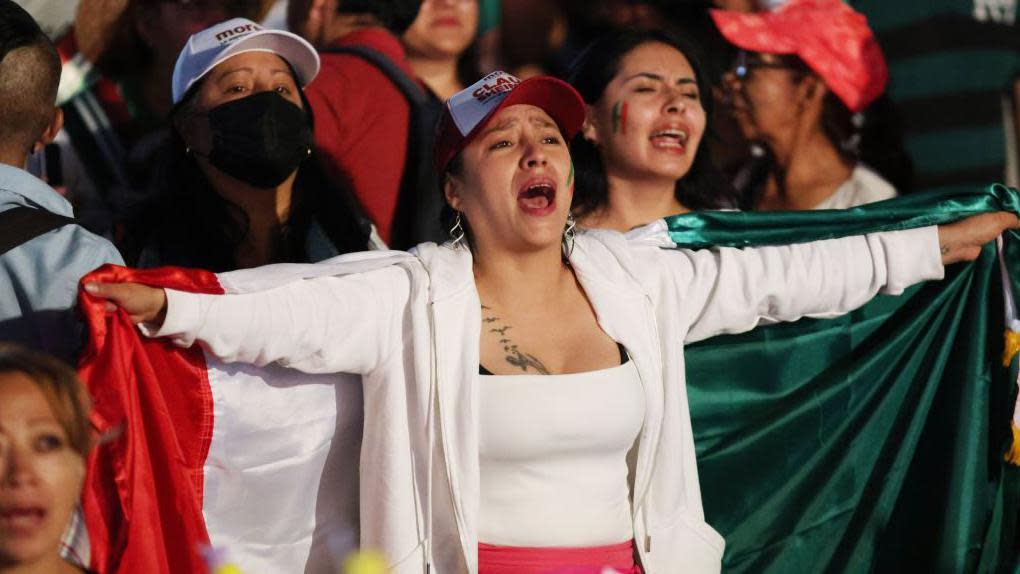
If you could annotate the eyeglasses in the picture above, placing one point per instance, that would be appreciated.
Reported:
(745, 62)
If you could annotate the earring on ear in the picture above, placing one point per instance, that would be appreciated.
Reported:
(569, 232)
(457, 232)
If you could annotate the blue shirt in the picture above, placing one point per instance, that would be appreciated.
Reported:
(39, 278)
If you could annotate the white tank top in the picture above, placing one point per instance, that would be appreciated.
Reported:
(554, 457)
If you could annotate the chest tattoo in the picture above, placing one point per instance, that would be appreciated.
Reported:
(526, 362)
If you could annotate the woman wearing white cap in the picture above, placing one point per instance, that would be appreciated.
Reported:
(241, 187)
(524, 410)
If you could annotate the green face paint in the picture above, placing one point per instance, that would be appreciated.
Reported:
(570, 178)
(620, 118)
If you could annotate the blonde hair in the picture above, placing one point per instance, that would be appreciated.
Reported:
(60, 385)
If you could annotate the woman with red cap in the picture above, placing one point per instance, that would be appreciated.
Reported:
(525, 410)
(800, 88)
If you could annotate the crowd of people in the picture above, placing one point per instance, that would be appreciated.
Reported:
(185, 133)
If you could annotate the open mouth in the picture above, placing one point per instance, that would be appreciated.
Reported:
(446, 21)
(537, 196)
(23, 519)
(670, 139)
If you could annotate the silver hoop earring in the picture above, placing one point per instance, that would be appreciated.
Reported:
(457, 232)
(569, 232)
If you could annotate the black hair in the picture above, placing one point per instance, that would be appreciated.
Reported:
(394, 15)
(190, 224)
(704, 186)
(18, 29)
(29, 75)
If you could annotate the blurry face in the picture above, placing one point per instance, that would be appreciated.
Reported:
(443, 29)
(517, 182)
(166, 26)
(649, 121)
(312, 19)
(765, 97)
(246, 74)
(40, 474)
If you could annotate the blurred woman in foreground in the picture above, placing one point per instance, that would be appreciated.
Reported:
(44, 439)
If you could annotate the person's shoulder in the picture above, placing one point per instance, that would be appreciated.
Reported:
(636, 243)
(18, 187)
(71, 250)
(99, 248)
(872, 186)
(615, 257)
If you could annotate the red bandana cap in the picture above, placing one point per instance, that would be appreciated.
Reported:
(468, 111)
(831, 38)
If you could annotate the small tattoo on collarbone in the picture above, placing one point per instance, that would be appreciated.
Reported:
(513, 355)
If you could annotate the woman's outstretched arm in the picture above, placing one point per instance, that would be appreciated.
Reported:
(321, 325)
(732, 290)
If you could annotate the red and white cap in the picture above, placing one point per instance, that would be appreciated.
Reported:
(468, 111)
(832, 39)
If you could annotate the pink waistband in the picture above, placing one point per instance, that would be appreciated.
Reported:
(589, 560)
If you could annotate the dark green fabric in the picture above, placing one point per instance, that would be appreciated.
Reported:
(871, 442)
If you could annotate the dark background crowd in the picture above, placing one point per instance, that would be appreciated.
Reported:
(947, 118)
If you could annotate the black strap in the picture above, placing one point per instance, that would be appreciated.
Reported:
(22, 224)
(416, 217)
(624, 357)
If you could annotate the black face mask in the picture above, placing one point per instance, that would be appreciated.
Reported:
(260, 139)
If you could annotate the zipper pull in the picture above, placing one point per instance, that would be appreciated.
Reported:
(648, 542)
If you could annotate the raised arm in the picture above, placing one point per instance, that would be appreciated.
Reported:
(733, 290)
(321, 325)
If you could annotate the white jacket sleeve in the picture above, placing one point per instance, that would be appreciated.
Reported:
(731, 290)
(323, 325)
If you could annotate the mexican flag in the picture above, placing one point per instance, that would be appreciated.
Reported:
(876, 441)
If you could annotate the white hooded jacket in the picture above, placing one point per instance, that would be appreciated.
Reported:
(410, 325)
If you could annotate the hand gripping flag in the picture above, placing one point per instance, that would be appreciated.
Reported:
(261, 463)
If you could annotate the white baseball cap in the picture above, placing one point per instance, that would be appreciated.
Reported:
(206, 49)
